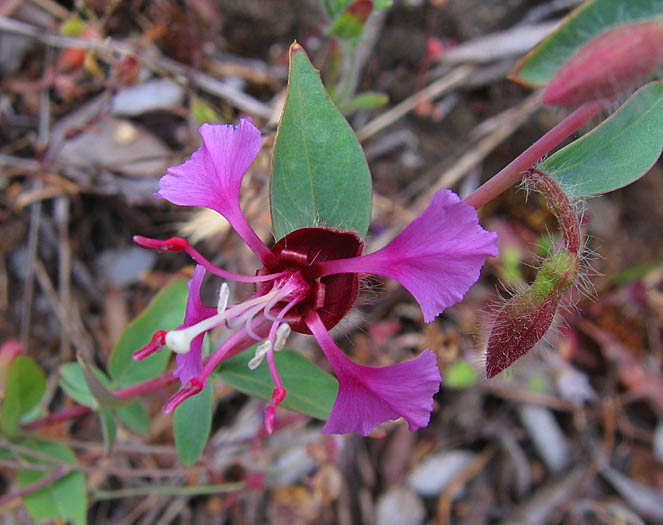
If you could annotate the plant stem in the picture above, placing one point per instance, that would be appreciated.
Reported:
(514, 171)
(123, 393)
(166, 490)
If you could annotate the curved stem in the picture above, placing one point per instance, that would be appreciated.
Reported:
(514, 171)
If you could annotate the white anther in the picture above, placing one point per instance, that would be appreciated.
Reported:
(282, 333)
(261, 352)
(224, 295)
(179, 341)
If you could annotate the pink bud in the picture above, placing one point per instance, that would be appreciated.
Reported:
(174, 244)
(270, 411)
(610, 64)
(155, 345)
(193, 387)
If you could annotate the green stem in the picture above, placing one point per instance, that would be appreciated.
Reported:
(166, 490)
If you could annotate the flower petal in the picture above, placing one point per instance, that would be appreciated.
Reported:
(437, 257)
(369, 396)
(190, 364)
(213, 175)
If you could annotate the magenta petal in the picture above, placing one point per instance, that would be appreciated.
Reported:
(213, 175)
(369, 396)
(190, 365)
(437, 257)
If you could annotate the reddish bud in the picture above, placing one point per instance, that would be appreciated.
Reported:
(126, 71)
(155, 345)
(525, 319)
(360, 9)
(610, 64)
(174, 244)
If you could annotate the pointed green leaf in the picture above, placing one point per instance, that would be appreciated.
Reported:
(617, 152)
(103, 397)
(319, 172)
(582, 25)
(192, 423)
(165, 312)
(309, 389)
(25, 386)
(72, 381)
(63, 499)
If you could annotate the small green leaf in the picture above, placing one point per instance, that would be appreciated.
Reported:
(103, 397)
(319, 172)
(460, 374)
(335, 8)
(25, 387)
(63, 499)
(108, 429)
(192, 423)
(365, 100)
(165, 312)
(582, 25)
(135, 418)
(310, 390)
(617, 152)
(72, 381)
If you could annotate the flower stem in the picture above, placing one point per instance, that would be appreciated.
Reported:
(516, 169)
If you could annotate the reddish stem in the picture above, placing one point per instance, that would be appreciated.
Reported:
(40, 483)
(516, 169)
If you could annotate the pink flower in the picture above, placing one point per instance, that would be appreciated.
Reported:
(309, 281)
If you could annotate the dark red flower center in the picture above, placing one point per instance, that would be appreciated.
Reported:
(300, 252)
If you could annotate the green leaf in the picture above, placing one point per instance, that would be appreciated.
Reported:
(365, 100)
(98, 388)
(460, 374)
(63, 499)
(25, 387)
(310, 390)
(165, 312)
(108, 429)
(617, 152)
(135, 418)
(72, 381)
(203, 111)
(335, 8)
(582, 25)
(319, 172)
(192, 423)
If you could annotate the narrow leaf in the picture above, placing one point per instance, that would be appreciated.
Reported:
(582, 25)
(365, 100)
(65, 498)
(72, 381)
(103, 397)
(25, 386)
(319, 172)
(192, 423)
(617, 152)
(165, 312)
(108, 429)
(310, 390)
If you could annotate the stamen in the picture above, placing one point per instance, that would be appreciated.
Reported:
(174, 244)
(261, 351)
(192, 388)
(178, 244)
(179, 341)
(282, 333)
(224, 295)
(155, 345)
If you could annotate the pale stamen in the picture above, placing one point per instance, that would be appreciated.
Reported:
(224, 296)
